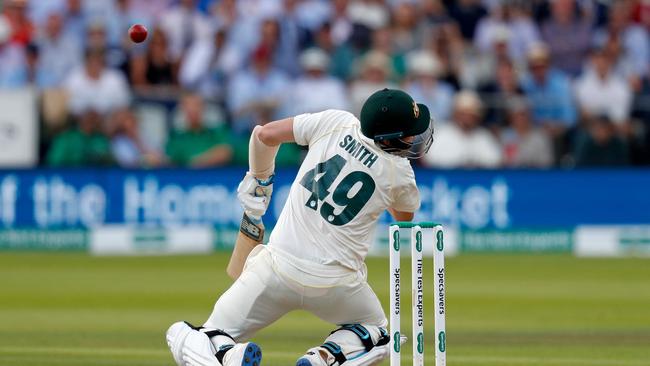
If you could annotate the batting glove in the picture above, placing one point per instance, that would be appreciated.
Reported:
(255, 195)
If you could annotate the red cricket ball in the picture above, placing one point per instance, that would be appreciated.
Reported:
(138, 33)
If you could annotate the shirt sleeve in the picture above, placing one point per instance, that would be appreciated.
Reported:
(406, 196)
(309, 127)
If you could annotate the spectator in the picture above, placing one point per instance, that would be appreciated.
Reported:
(463, 143)
(224, 13)
(370, 13)
(497, 93)
(316, 91)
(283, 53)
(341, 29)
(97, 38)
(204, 70)
(467, 13)
(291, 36)
(75, 22)
(621, 62)
(568, 36)
(38, 11)
(524, 146)
(374, 72)
(255, 94)
(93, 86)
(245, 33)
(406, 30)
(600, 145)
(22, 29)
(13, 63)
(549, 92)
(155, 68)
(382, 41)
(599, 91)
(156, 8)
(479, 69)
(310, 15)
(82, 145)
(435, 13)
(523, 31)
(634, 38)
(120, 19)
(128, 149)
(322, 38)
(184, 23)
(423, 85)
(447, 44)
(58, 54)
(198, 147)
(348, 54)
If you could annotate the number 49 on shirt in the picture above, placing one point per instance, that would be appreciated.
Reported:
(319, 180)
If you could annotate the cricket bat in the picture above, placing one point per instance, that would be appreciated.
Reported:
(250, 235)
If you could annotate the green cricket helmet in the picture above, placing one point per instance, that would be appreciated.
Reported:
(390, 116)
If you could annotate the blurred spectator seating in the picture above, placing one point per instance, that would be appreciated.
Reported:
(524, 144)
(129, 150)
(568, 35)
(58, 54)
(374, 74)
(314, 90)
(600, 91)
(423, 84)
(13, 61)
(256, 93)
(198, 146)
(498, 92)
(94, 86)
(154, 72)
(463, 143)
(633, 37)
(551, 96)
(253, 61)
(515, 17)
(83, 144)
(600, 145)
(183, 23)
(205, 68)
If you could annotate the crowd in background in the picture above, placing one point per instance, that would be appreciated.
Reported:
(532, 84)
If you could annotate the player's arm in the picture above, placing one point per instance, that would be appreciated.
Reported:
(401, 215)
(277, 132)
(264, 145)
(255, 190)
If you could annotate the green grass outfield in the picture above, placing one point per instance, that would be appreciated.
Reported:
(550, 310)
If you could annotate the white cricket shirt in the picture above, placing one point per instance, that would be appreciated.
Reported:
(343, 185)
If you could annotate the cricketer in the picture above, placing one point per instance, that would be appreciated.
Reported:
(355, 169)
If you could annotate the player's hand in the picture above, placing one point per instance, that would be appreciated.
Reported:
(255, 195)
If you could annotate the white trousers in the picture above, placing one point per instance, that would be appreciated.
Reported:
(268, 288)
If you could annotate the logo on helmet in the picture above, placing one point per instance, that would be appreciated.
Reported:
(416, 110)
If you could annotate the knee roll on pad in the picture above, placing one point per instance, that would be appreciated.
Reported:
(222, 343)
(355, 344)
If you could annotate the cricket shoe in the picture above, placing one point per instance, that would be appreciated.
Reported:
(243, 354)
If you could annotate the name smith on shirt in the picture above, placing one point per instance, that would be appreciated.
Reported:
(358, 151)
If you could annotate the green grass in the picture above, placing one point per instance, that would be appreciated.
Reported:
(73, 309)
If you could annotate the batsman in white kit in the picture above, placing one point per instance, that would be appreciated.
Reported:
(355, 169)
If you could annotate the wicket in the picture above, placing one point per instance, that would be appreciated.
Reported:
(417, 286)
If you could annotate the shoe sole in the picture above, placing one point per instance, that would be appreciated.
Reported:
(252, 355)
